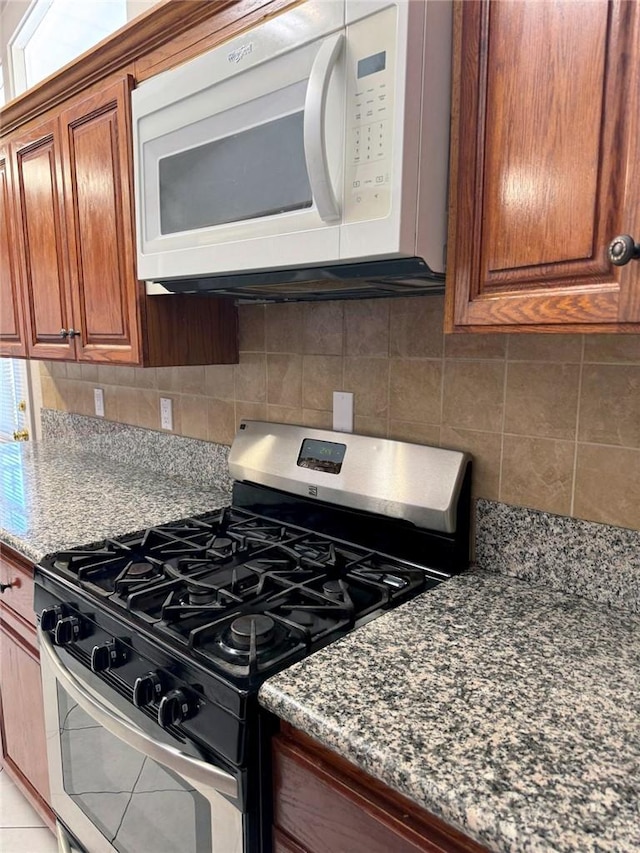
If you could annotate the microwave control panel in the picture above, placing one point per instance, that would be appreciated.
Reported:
(369, 120)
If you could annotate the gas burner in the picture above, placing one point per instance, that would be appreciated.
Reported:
(200, 594)
(140, 571)
(334, 589)
(255, 627)
(222, 546)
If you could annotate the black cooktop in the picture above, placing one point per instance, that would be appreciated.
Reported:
(244, 593)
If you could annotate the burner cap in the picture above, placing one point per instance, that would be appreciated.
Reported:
(333, 589)
(197, 594)
(222, 543)
(139, 571)
(241, 630)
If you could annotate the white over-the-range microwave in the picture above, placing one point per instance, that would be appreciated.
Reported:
(305, 159)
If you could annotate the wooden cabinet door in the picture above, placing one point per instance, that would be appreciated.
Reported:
(545, 165)
(11, 317)
(37, 190)
(97, 178)
(24, 745)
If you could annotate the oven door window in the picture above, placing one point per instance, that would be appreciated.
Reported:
(135, 803)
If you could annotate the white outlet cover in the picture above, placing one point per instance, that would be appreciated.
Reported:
(166, 413)
(343, 411)
(98, 402)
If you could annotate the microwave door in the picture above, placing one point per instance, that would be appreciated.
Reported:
(251, 184)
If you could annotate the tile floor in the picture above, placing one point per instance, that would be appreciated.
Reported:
(21, 830)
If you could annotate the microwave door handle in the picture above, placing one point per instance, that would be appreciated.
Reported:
(315, 144)
(181, 763)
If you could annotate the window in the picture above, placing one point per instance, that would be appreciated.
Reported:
(54, 32)
(14, 392)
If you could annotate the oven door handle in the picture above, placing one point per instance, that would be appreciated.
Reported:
(315, 142)
(181, 763)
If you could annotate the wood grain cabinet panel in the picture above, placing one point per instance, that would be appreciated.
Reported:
(544, 166)
(324, 804)
(37, 185)
(22, 726)
(95, 142)
(12, 341)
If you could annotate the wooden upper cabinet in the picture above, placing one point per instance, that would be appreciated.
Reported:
(96, 168)
(11, 316)
(545, 166)
(37, 190)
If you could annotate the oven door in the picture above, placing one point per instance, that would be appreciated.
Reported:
(117, 787)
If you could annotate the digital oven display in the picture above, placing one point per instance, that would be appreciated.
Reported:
(322, 455)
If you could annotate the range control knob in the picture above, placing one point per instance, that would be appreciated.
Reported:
(68, 630)
(147, 689)
(176, 707)
(50, 616)
(108, 656)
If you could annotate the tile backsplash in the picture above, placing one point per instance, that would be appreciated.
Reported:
(553, 421)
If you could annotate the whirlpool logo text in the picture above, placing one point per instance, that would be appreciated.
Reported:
(239, 53)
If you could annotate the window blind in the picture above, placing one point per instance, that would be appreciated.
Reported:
(13, 389)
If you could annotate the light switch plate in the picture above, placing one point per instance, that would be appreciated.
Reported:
(98, 402)
(343, 411)
(166, 413)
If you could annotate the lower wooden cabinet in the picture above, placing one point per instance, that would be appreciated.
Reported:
(324, 804)
(22, 728)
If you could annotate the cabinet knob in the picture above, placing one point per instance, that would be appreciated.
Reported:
(74, 333)
(623, 249)
(4, 586)
(64, 333)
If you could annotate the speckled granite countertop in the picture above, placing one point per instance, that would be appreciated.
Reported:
(53, 496)
(510, 710)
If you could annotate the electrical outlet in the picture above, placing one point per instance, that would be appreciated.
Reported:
(166, 413)
(98, 402)
(343, 411)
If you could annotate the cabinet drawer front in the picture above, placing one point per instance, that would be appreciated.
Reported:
(20, 596)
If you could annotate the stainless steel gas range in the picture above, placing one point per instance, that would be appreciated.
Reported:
(154, 645)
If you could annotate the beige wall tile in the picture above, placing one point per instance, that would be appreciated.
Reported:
(321, 376)
(251, 332)
(284, 380)
(251, 378)
(284, 327)
(76, 396)
(542, 399)
(250, 412)
(181, 380)
(368, 379)
(367, 327)
(475, 346)
(610, 404)
(556, 348)
(537, 473)
(89, 372)
(323, 328)
(608, 485)
(108, 374)
(473, 395)
(194, 416)
(317, 419)
(110, 401)
(51, 398)
(145, 377)
(284, 415)
(219, 381)
(418, 433)
(44, 369)
(370, 426)
(415, 390)
(612, 348)
(416, 327)
(74, 370)
(486, 449)
(222, 420)
(58, 369)
(141, 407)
